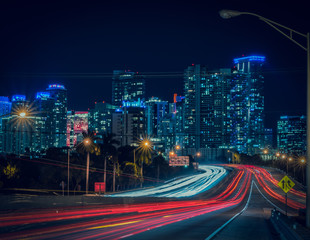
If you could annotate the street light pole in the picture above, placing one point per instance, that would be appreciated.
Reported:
(87, 172)
(308, 136)
(68, 168)
(226, 14)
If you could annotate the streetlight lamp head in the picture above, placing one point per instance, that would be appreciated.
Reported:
(86, 141)
(226, 14)
(22, 114)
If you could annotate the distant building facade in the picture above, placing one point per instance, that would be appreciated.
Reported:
(5, 110)
(206, 107)
(292, 134)
(155, 111)
(246, 107)
(77, 123)
(18, 130)
(127, 86)
(129, 123)
(100, 118)
(58, 115)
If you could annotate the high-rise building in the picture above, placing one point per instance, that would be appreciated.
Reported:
(100, 118)
(206, 107)
(292, 134)
(5, 110)
(129, 123)
(269, 138)
(179, 115)
(5, 106)
(246, 107)
(155, 110)
(43, 125)
(77, 123)
(17, 130)
(44, 105)
(127, 86)
(59, 114)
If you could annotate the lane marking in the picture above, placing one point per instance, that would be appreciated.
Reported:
(280, 209)
(128, 235)
(230, 220)
(114, 225)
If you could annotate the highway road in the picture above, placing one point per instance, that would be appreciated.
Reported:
(182, 187)
(230, 209)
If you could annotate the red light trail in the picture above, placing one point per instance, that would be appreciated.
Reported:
(119, 221)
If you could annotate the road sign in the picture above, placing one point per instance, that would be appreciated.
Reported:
(100, 187)
(286, 184)
(178, 160)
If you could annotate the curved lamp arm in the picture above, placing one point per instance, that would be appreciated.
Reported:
(226, 14)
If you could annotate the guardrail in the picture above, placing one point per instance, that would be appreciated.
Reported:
(286, 226)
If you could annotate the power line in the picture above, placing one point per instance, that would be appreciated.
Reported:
(139, 74)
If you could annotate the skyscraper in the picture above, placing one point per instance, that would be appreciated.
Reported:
(59, 114)
(44, 106)
(100, 118)
(5, 109)
(155, 112)
(129, 123)
(127, 86)
(246, 107)
(179, 115)
(17, 130)
(291, 134)
(5, 106)
(206, 107)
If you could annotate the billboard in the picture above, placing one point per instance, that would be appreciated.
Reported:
(178, 160)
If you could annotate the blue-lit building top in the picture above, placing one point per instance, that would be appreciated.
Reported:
(250, 59)
(17, 97)
(56, 86)
(42, 95)
(138, 103)
(5, 106)
(250, 65)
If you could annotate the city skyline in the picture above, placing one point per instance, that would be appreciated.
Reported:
(220, 109)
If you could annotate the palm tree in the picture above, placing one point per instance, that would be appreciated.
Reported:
(159, 162)
(88, 145)
(109, 151)
(134, 166)
(144, 156)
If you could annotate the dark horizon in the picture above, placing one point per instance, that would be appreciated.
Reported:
(43, 43)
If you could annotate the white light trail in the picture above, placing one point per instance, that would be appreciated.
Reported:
(184, 187)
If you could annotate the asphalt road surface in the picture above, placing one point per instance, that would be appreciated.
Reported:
(238, 207)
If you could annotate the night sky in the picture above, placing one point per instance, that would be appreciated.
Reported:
(80, 44)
